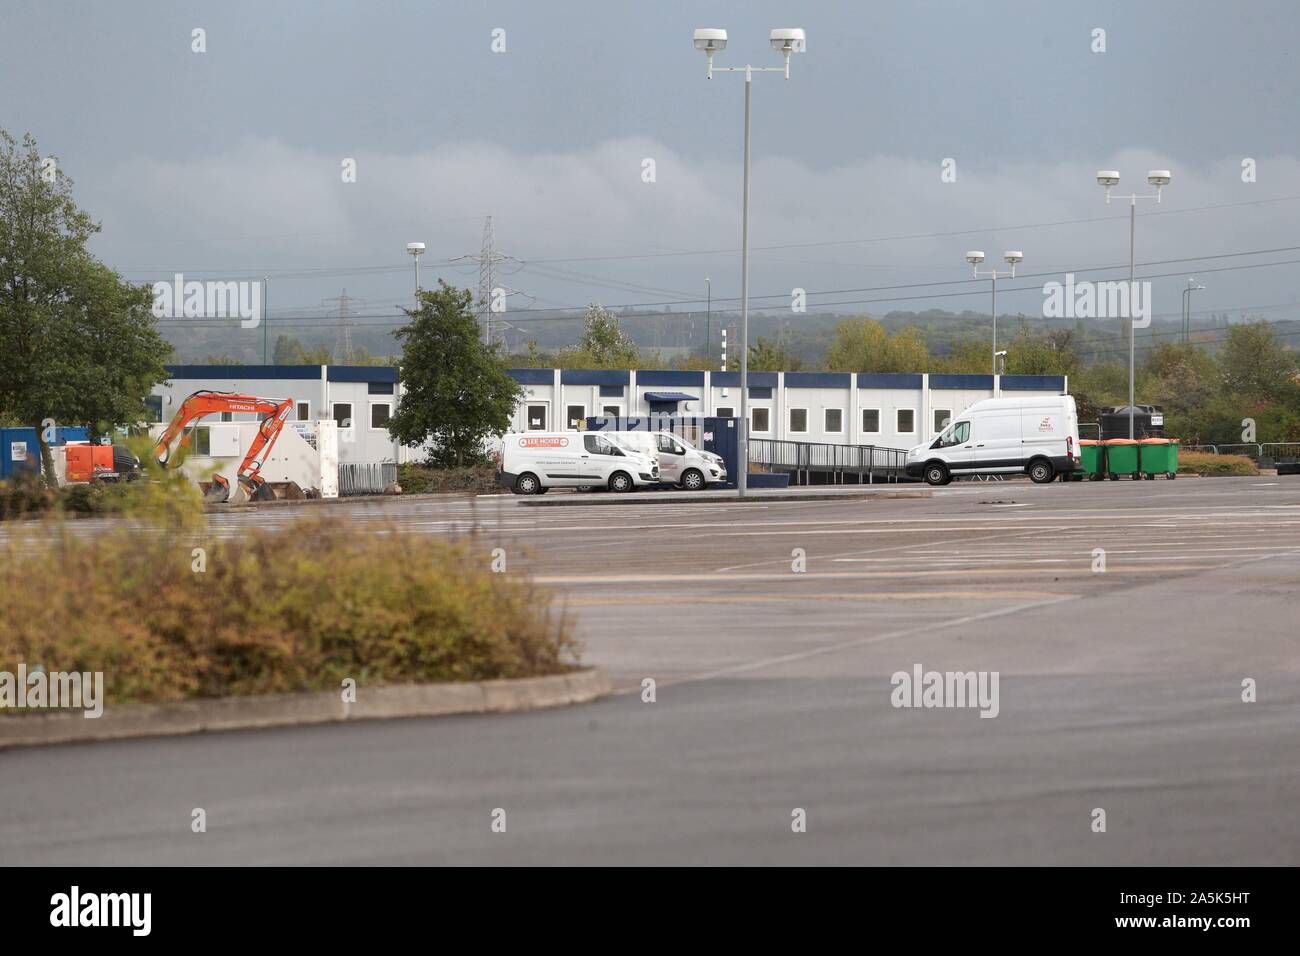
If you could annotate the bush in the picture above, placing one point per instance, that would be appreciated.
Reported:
(28, 496)
(423, 479)
(25, 495)
(295, 610)
(1202, 463)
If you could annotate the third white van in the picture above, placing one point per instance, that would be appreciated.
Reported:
(1034, 436)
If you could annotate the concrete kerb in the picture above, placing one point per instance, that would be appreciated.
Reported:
(316, 707)
(719, 497)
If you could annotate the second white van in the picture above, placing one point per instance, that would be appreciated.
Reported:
(534, 462)
(1034, 436)
(680, 462)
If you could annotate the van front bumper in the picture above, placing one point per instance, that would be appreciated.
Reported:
(914, 469)
(506, 478)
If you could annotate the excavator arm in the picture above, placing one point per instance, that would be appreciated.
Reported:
(205, 402)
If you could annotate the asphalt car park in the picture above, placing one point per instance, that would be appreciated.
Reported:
(770, 630)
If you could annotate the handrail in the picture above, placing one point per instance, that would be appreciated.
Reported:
(824, 457)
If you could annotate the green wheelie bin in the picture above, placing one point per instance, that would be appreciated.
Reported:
(1158, 456)
(1092, 455)
(1122, 458)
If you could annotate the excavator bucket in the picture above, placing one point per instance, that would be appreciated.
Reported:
(254, 489)
(219, 492)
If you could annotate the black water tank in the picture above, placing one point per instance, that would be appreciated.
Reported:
(1148, 422)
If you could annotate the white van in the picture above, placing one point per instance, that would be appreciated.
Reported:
(680, 462)
(1034, 436)
(534, 462)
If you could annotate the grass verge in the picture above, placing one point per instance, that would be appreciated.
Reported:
(1203, 463)
(174, 613)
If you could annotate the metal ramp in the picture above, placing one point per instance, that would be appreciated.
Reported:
(818, 463)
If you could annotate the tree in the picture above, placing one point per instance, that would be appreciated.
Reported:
(695, 362)
(1180, 378)
(863, 345)
(81, 345)
(971, 356)
(766, 355)
(1255, 363)
(288, 351)
(1050, 354)
(455, 390)
(603, 344)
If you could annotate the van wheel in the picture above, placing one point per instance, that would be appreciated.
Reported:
(1041, 472)
(692, 479)
(937, 474)
(620, 481)
(527, 484)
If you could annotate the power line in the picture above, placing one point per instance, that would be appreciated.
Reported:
(942, 283)
(925, 235)
(258, 272)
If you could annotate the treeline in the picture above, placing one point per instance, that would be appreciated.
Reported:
(1248, 386)
(288, 350)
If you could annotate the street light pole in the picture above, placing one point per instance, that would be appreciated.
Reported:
(742, 483)
(993, 308)
(975, 257)
(1186, 334)
(708, 322)
(711, 41)
(416, 249)
(1160, 179)
(1187, 308)
(266, 316)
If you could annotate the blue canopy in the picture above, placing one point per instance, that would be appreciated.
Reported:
(670, 397)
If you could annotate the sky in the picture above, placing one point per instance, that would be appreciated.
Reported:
(228, 163)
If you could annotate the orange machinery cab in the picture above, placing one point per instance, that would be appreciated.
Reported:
(89, 462)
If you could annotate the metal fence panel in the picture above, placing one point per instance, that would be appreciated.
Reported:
(1280, 449)
(869, 461)
(366, 478)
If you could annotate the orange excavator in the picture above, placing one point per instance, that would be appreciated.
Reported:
(206, 402)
